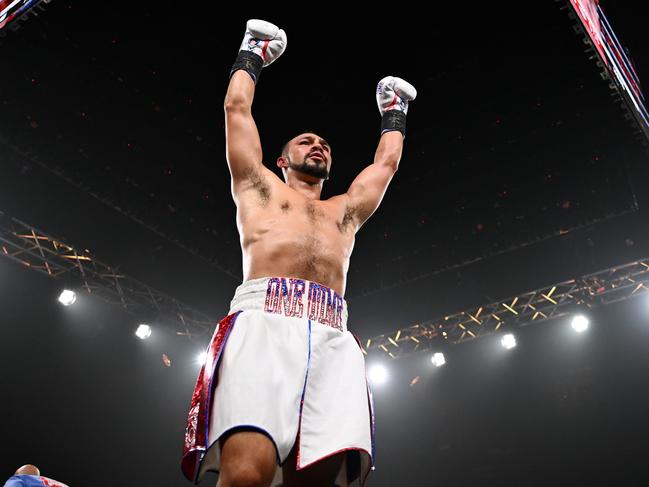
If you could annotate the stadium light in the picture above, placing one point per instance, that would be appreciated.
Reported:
(201, 357)
(580, 323)
(378, 374)
(143, 331)
(508, 341)
(67, 297)
(438, 359)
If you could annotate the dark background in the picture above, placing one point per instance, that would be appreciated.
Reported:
(519, 170)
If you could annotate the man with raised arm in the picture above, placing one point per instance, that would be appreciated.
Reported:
(282, 398)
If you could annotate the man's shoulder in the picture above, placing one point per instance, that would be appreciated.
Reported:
(32, 481)
(341, 200)
(14, 481)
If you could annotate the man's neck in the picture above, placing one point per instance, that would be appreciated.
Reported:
(311, 190)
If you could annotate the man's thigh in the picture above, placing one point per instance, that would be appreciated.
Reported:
(247, 457)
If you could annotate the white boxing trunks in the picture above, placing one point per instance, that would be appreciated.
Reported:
(283, 363)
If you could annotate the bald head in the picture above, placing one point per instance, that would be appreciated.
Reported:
(28, 470)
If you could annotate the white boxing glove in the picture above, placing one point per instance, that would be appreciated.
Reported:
(262, 44)
(394, 94)
(264, 39)
(392, 97)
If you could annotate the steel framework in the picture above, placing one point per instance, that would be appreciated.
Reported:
(555, 301)
(43, 253)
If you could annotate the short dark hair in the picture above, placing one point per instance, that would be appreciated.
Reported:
(285, 146)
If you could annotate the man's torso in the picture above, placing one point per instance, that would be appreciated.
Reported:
(285, 234)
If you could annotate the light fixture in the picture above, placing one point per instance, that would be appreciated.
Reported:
(378, 374)
(67, 297)
(508, 341)
(201, 357)
(438, 359)
(143, 331)
(580, 323)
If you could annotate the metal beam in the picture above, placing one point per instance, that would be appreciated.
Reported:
(561, 299)
(43, 253)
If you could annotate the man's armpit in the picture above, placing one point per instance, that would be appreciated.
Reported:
(350, 220)
(255, 180)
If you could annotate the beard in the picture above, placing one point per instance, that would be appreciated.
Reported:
(317, 169)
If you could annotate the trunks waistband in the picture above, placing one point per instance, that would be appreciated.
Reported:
(292, 297)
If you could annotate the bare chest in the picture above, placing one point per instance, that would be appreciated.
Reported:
(331, 219)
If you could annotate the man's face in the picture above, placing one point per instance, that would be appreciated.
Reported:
(309, 154)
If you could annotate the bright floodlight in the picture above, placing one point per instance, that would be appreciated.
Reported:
(580, 323)
(378, 374)
(438, 359)
(143, 331)
(508, 341)
(201, 358)
(67, 297)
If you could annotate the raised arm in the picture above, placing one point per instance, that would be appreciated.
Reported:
(367, 190)
(262, 44)
(242, 144)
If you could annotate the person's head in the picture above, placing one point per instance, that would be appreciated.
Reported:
(307, 157)
(28, 470)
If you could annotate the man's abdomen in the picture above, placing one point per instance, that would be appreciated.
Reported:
(308, 256)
